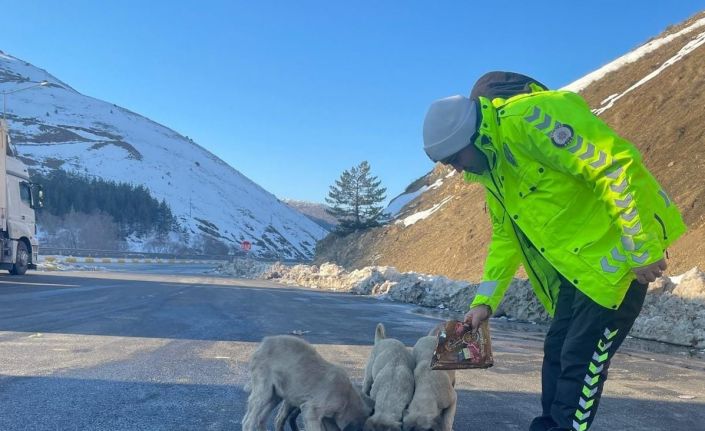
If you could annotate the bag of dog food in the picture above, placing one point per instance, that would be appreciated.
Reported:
(459, 347)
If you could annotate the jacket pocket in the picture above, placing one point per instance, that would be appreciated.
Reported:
(605, 256)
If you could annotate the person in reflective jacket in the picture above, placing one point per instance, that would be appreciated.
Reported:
(570, 200)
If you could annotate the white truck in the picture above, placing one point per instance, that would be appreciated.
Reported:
(18, 199)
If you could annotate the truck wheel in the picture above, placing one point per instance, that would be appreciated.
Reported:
(22, 261)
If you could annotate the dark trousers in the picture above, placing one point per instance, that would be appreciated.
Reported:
(579, 345)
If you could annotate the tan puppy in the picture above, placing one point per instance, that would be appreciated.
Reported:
(288, 412)
(389, 380)
(288, 369)
(434, 401)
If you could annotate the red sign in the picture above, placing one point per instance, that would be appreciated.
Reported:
(246, 245)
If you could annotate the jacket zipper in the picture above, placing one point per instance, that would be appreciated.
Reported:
(663, 226)
(520, 236)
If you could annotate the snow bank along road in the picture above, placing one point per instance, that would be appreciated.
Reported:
(107, 351)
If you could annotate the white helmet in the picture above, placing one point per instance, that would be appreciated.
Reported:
(450, 123)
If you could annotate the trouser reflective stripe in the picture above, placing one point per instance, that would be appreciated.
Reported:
(582, 339)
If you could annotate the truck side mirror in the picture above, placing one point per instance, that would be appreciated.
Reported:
(38, 192)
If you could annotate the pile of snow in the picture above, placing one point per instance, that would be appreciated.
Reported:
(385, 282)
(46, 266)
(674, 312)
(245, 268)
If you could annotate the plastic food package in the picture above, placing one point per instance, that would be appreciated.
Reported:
(459, 347)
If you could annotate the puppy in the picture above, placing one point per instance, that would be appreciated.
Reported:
(288, 369)
(288, 412)
(389, 380)
(434, 401)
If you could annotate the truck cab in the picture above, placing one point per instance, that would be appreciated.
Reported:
(18, 199)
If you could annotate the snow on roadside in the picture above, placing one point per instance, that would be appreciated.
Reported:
(673, 312)
(247, 268)
(51, 263)
(62, 266)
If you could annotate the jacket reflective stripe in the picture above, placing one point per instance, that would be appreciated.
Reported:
(600, 161)
(619, 188)
(615, 174)
(642, 258)
(487, 288)
(665, 198)
(630, 215)
(623, 203)
(577, 146)
(634, 229)
(616, 255)
(606, 266)
(589, 152)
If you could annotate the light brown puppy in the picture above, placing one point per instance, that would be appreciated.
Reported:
(288, 412)
(389, 380)
(288, 369)
(434, 402)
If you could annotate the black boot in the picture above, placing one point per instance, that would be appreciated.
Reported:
(542, 423)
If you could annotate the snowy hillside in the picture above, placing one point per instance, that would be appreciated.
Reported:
(315, 211)
(54, 126)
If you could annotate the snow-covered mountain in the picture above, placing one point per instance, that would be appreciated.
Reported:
(315, 211)
(54, 126)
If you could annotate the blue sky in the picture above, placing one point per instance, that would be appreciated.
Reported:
(291, 93)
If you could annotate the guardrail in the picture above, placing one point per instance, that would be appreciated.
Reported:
(84, 252)
(130, 255)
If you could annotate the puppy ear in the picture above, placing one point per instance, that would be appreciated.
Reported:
(436, 330)
(380, 333)
(405, 419)
(369, 402)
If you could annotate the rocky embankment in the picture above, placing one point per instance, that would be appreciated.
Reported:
(674, 310)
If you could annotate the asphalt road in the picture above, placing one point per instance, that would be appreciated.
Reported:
(125, 351)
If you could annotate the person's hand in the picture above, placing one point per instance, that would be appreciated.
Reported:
(647, 274)
(477, 315)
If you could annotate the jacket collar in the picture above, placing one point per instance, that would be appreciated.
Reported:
(487, 140)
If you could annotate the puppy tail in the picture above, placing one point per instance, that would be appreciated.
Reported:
(380, 333)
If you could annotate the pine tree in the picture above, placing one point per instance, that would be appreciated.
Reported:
(355, 199)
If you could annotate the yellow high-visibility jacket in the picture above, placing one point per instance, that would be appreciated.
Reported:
(566, 195)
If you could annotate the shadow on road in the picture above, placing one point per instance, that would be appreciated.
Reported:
(82, 404)
(70, 403)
